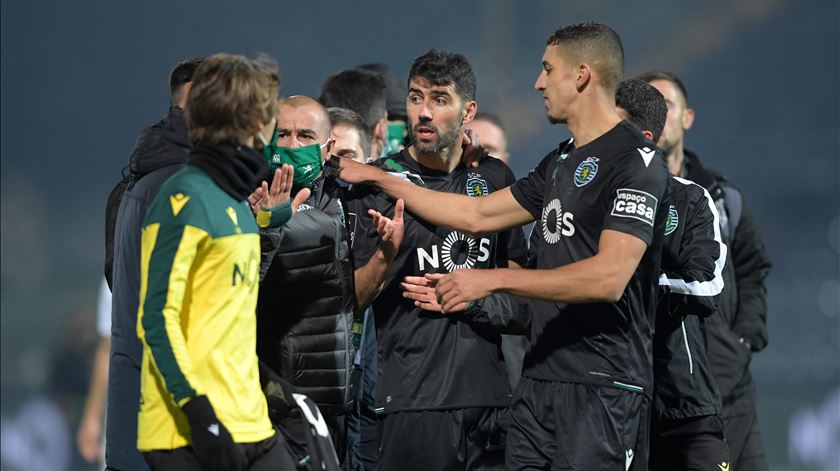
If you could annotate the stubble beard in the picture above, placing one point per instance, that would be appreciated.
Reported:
(443, 141)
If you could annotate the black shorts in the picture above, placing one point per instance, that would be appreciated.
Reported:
(556, 425)
(267, 455)
(691, 444)
(457, 439)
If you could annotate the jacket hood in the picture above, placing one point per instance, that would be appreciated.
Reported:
(164, 143)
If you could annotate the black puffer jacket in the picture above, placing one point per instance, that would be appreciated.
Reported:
(742, 315)
(306, 300)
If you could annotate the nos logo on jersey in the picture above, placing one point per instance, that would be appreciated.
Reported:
(246, 272)
(476, 186)
(457, 252)
(555, 223)
(586, 171)
(673, 220)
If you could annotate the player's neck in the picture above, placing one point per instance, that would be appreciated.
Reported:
(445, 161)
(593, 119)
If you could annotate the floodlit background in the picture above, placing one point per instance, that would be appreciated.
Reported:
(81, 79)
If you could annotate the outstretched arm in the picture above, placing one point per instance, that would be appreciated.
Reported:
(469, 215)
(600, 278)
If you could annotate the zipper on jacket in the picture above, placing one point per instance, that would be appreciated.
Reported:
(687, 349)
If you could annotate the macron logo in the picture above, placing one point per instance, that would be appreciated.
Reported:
(647, 155)
(628, 460)
(214, 429)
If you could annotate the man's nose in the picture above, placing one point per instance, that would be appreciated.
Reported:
(425, 112)
(539, 85)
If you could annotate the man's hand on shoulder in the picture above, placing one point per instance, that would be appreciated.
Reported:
(473, 152)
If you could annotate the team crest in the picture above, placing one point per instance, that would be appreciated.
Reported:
(586, 171)
(476, 186)
(672, 221)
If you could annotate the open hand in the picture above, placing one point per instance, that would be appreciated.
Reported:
(279, 193)
(391, 231)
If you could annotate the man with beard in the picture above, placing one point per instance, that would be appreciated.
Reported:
(442, 383)
(686, 431)
(585, 392)
(739, 327)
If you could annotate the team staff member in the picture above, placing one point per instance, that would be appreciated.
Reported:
(201, 405)
(687, 431)
(739, 327)
(583, 399)
(310, 287)
(442, 383)
(161, 150)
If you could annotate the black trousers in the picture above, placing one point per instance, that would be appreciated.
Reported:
(744, 440)
(692, 444)
(267, 455)
(451, 440)
(557, 426)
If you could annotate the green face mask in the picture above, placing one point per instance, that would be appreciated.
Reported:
(305, 160)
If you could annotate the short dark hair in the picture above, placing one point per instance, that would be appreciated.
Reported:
(445, 68)
(351, 119)
(182, 73)
(394, 90)
(359, 90)
(657, 74)
(491, 118)
(645, 106)
(598, 45)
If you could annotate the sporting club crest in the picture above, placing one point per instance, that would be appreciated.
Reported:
(586, 171)
(476, 186)
(672, 221)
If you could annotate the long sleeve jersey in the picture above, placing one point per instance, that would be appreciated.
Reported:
(200, 262)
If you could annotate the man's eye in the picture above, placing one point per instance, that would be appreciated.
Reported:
(441, 101)
(415, 99)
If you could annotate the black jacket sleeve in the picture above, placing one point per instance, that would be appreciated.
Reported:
(502, 312)
(751, 264)
(692, 266)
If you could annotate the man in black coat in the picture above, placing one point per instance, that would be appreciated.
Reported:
(161, 150)
(739, 327)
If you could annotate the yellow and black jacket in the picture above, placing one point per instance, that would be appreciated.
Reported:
(199, 279)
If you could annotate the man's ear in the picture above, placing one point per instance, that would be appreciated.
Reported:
(688, 118)
(648, 134)
(380, 130)
(584, 75)
(470, 109)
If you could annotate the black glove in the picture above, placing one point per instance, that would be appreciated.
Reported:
(211, 441)
(278, 394)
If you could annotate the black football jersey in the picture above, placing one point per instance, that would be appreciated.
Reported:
(616, 182)
(428, 360)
